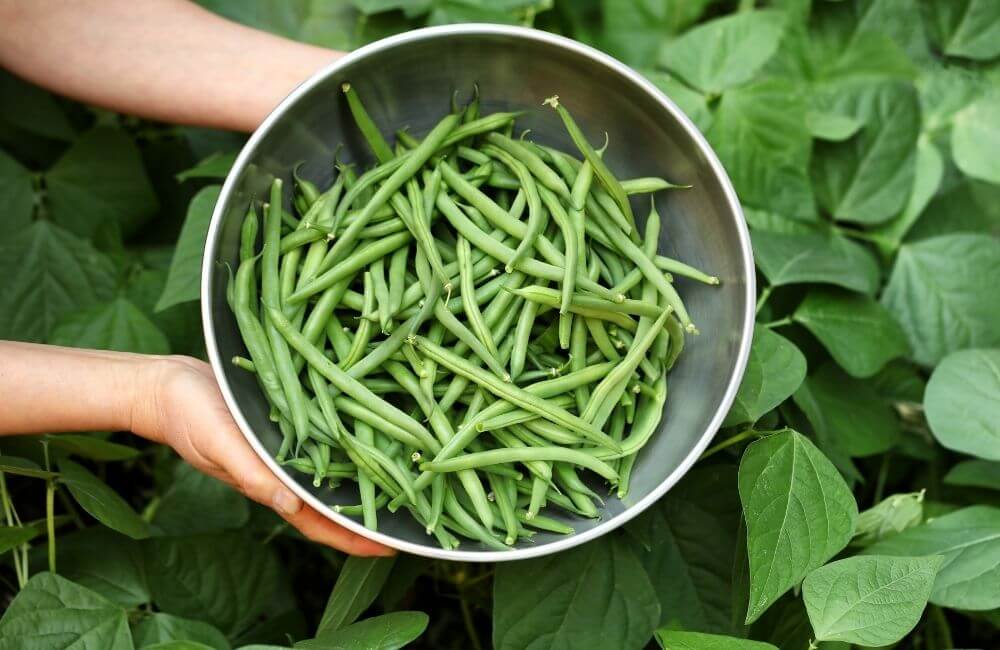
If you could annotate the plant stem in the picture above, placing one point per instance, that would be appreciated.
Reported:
(739, 437)
(50, 509)
(781, 322)
(764, 295)
(883, 472)
(470, 626)
(8, 511)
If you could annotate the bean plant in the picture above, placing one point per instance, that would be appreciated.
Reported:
(850, 499)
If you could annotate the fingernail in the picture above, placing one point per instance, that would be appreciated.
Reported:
(286, 503)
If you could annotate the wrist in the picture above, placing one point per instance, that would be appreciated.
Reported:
(147, 387)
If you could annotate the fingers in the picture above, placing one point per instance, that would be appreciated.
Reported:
(320, 529)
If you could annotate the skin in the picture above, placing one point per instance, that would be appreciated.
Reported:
(173, 61)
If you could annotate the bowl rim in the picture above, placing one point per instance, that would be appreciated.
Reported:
(208, 270)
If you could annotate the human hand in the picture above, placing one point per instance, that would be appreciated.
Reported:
(179, 404)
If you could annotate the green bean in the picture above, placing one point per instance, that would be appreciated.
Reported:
(381, 288)
(474, 316)
(364, 332)
(365, 124)
(366, 488)
(522, 335)
(339, 339)
(684, 270)
(511, 393)
(350, 265)
(549, 298)
(545, 523)
(649, 185)
(522, 455)
(519, 416)
(347, 384)
(545, 175)
(601, 170)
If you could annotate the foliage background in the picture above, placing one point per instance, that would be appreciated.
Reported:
(862, 138)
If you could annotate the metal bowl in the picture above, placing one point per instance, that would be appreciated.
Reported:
(408, 80)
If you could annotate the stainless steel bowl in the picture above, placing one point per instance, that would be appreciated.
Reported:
(408, 80)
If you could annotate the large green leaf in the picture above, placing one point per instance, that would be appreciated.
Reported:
(837, 317)
(215, 166)
(196, 503)
(100, 501)
(798, 510)
(594, 596)
(814, 257)
(964, 205)
(28, 107)
(47, 273)
(975, 473)
(107, 562)
(184, 277)
(681, 640)
(360, 581)
(965, 28)
(161, 628)
(692, 102)
(969, 540)
(943, 292)
(759, 132)
(962, 402)
(975, 138)
(774, 371)
(115, 325)
(219, 579)
(868, 178)
(92, 447)
(689, 539)
(926, 180)
(14, 536)
(847, 413)
(17, 196)
(725, 52)
(889, 516)
(633, 32)
(24, 467)
(871, 600)
(51, 613)
(386, 632)
(100, 177)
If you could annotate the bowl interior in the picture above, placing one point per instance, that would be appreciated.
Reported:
(408, 82)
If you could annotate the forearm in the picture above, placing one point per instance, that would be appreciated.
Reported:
(167, 60)
(46, 388)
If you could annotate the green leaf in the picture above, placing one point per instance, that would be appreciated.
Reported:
(815, 257)
(115, 325)
(774, 371)
(759, 132)
(847, 413)
(28, 107)
(680, 640)
(184, 277)
(831, 126)
(871, 601)
(965, 205)
(196, 503)
(900, 381)
(51, 612)
(962, 403)
(14, 536)
(975, 473)
(386, 632)
(892, 515)
(965, 28)
(690, 101)
(161, 628)
(593, 596)
(48, 273)
(100, 177)
(215, 166)
(178, 645)
(837, 317)
(17, 196)
(360, 581)
(219, 579)
(100, 501)
(975, 138)
(969, 540)
(799, 513)
(23, 467)
(634, 32)
(926, 181)
(106, 562)
(92, 447)
(942, 291)
(690, 549)
(725, 52)
(868, 178)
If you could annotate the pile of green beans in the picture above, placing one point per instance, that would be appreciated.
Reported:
(473, 329)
